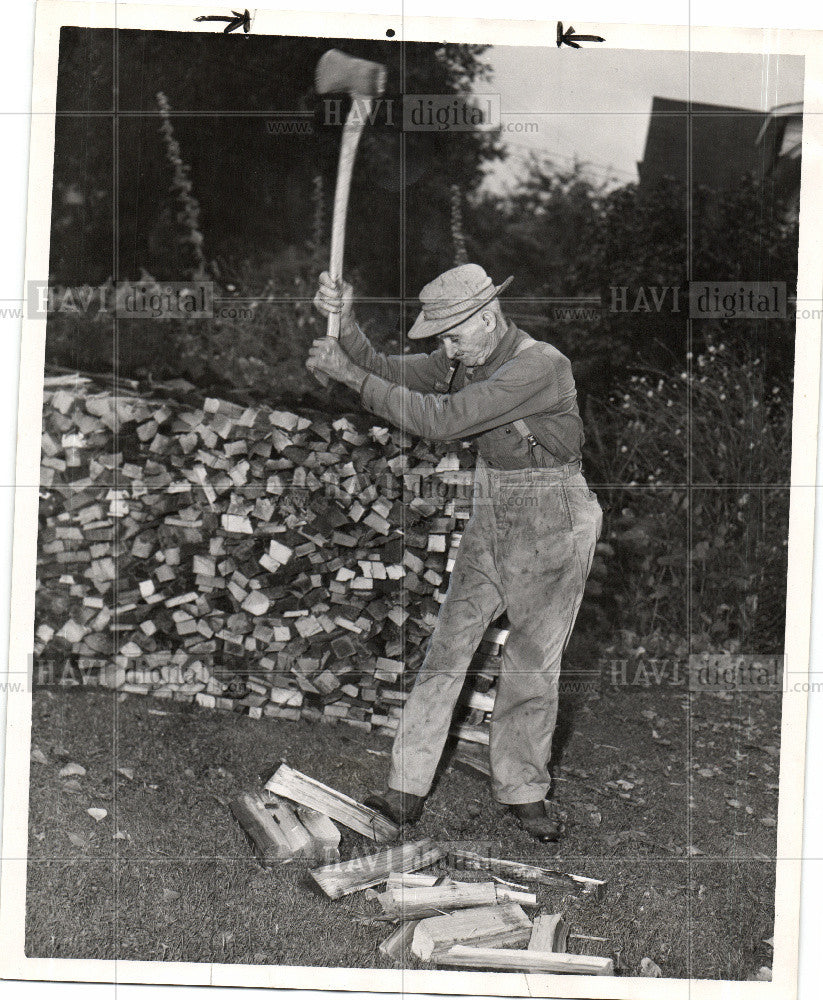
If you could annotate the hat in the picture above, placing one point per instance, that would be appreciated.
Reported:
(452, 298)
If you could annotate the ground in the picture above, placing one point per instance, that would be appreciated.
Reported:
(670, 797)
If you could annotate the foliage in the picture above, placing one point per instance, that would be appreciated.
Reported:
(564, 234)
(461, 255)
(256, 134)
(694, 468)
(260, 343)
(188, 217)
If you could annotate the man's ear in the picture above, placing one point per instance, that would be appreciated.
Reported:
(489, 318)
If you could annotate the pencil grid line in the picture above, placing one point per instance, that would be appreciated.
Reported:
(116, 471)
(689, 471)
(403, 295)
(564, 859)
(301, 490)
(225, 113)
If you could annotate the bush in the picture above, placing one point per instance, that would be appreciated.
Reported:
(693, 470)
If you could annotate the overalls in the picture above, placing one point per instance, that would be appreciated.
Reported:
(527, 549)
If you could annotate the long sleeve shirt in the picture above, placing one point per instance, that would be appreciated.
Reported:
(535, 384)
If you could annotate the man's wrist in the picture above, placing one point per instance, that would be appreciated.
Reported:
(354, 377)
(348, 327)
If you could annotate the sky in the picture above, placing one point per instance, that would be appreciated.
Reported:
(594, 104)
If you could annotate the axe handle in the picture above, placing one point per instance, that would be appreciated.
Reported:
(352, 130)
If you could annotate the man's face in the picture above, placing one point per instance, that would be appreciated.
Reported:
(473, 341)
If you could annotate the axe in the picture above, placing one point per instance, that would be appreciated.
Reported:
(363, 80)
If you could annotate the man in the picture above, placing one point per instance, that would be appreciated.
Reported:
(528, 546)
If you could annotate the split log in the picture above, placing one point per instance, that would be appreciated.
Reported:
(425, 901)
(482, 701)
(324, 833)
(400, 881)
(533, 873)
(398, 944)
(550, 933)
(362, 873)
(472, 734)
(517, 960)
(306, 791)
(299, 839)
(491, 926)
(472, 761)
(269, 840)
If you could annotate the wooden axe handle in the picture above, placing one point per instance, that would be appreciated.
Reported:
(352, 130)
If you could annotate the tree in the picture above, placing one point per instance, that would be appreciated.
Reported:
(562, 234)
(230, 97)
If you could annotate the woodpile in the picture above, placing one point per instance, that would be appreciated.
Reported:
(245, 558)
(436, 917)
(448, 922)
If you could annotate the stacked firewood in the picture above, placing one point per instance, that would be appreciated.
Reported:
(434, 916)
(244, 557)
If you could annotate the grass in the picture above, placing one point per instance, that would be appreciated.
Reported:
(168, 875)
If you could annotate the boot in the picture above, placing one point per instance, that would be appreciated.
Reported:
(536, 821)
(401, 808)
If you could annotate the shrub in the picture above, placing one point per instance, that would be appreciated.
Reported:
(693, 469)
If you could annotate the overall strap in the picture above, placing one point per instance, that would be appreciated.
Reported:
(521, 426)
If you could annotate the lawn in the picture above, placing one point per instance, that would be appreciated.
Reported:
(670, 797)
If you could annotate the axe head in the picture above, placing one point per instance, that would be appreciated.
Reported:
(338, 73)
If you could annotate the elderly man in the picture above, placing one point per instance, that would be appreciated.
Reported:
(528, 546)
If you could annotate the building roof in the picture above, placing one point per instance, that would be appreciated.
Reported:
(704, 144)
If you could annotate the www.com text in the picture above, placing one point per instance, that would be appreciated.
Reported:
(306, 127)
(233, 312)
(299, 127)
(571, 314)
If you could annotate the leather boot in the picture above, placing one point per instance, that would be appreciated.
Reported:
(401, 808)
(535, 821)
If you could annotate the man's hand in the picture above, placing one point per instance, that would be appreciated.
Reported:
(334, 297)
(327, 356)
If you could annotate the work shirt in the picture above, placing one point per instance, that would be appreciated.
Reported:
(535, 384)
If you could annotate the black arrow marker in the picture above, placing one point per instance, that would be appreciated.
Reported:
(569, 38)
(234, 22)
